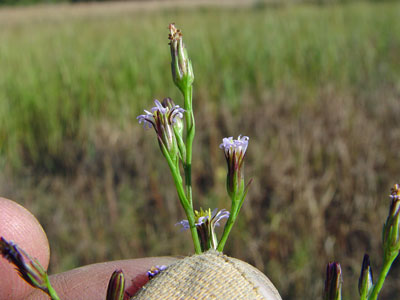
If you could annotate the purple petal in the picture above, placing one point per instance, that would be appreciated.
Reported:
(184, 223)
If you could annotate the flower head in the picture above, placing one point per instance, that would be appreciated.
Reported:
(235, 151)
(166, 119)
(205, 222)
(181, 66)
(29, 269)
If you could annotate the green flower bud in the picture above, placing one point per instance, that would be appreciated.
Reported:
(365, 282)
(333, 282)
(116, 286)
(181, 66)
(390, 233)
(29, 269)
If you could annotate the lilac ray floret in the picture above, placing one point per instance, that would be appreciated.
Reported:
(147, 119)
(229, 144)
(184, 223)
(155, 270)
(168, 114)
(222, 214)
(159, 107)
(214, 219)
(176, 112)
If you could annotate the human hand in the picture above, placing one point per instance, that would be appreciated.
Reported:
(87, 282)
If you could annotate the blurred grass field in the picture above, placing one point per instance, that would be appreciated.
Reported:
(316, 87)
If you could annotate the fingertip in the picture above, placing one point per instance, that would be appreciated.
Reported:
(19, 225)
(90, 282)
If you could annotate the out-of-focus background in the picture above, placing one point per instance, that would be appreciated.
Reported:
(315, 85)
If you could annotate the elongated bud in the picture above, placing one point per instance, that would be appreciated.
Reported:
(116, 286)
(29, 269)
(235, 151)
(181, 66)
(390, 234)
(365, 282)
(333, 282)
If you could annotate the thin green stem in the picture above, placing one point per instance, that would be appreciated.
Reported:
(227, 230)
(229, 224)
(387, 263)
(52, 292)
(190, 132)
(182, 198)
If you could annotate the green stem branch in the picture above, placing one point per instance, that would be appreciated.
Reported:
(183, 199)
(52, 292)
(190, 132)
(387, 263)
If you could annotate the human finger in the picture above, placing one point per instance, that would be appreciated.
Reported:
(90, 282)
(19, 225)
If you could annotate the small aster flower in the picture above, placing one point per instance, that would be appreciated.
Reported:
(235, 151)
(29, 269)
(205, 222)
(155, 270)
(166, 119)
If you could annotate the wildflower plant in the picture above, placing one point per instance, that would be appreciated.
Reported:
(391, 246)
(174, 127)
(175, 130)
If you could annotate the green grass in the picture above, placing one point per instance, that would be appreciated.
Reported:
(315, 87)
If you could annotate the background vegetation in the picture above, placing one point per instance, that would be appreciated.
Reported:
(316, 88)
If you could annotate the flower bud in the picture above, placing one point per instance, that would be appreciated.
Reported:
(181, 66)
(116, 286)
(390, 233)
(29, 269)
(333, 282)
(365, 282)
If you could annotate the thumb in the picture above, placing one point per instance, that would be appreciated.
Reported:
(19, 225)
(90, 282)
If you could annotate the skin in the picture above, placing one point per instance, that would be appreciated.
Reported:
(84, 283)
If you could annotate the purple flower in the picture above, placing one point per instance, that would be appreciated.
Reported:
(166, 119)
(237, 147)
(205, 222)
(161, 115)
(235, 151)
(155, 270)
